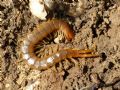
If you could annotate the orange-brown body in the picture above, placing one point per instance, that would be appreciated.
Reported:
(38, 35)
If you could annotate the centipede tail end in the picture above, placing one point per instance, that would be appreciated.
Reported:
(81, 53)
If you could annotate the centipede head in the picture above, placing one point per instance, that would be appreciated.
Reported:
(70, 35)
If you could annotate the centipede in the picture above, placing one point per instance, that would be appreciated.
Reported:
(39, 33)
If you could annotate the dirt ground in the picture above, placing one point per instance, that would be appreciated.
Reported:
(96, 25)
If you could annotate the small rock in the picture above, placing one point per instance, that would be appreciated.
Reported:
(106, 20)
(38, 9)
(94, 78)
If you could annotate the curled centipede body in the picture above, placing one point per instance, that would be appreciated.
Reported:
(37, 35)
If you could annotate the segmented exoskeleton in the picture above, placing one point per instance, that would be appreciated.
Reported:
(42, 31)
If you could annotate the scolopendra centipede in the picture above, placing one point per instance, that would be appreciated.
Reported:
(46, 28)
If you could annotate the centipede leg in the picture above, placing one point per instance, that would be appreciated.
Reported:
(87, 55)
(84, 51)
(81, 53)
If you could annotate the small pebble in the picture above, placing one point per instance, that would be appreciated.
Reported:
(94, 78)
(7, 85)
(38, 9)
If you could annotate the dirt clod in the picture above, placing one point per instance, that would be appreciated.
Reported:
(95, 23)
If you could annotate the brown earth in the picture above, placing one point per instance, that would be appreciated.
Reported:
(96, 25)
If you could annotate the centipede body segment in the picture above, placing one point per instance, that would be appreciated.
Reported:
(39, 34)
